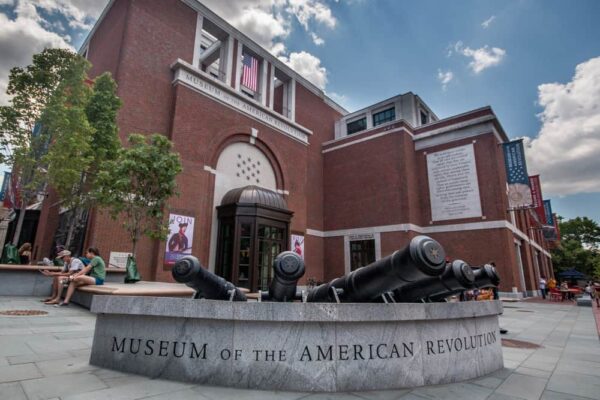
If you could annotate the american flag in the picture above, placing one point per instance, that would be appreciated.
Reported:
(250, 72)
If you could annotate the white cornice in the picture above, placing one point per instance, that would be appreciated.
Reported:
(471, 226)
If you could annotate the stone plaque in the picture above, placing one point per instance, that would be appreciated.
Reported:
(295, 346)
(453, 186)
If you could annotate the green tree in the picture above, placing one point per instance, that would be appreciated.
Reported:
(22, 142)
(136, 186)
(580, 238)
(586, 231)
(81, 119)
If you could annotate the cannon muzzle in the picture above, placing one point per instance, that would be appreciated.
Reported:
(288, 267)
(486, 277)
(422, 258)
(207, 285)
(457, 276)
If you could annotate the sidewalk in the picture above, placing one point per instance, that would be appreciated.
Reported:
(46, 357)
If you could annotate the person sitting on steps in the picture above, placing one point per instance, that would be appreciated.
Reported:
(97, 273)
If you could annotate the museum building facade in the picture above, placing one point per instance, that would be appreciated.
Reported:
(270, 163)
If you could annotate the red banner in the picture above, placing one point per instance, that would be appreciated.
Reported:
(536, 194)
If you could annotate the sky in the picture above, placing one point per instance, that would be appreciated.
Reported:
(535, 62)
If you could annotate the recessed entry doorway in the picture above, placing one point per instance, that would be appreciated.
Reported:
(253, 229)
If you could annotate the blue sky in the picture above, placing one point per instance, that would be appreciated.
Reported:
(522, 62)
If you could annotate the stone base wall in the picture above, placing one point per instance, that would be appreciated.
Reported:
(295, 346)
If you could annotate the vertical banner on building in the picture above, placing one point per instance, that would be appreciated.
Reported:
(536, 195)
(548, 213)
(297, 245)
(5, 185)
(180, 239)
(519, 192)
(556, 228)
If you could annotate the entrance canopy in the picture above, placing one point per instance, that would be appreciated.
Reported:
(253, 230)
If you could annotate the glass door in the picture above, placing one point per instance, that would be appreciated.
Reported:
(270, 244)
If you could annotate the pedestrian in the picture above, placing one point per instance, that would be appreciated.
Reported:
(543, 287)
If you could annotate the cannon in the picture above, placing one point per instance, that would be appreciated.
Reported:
(422, 258)
(457, 276)
(288, 267)
(486, 277)
(207, 285)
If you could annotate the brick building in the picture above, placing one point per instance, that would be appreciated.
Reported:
(272, 159)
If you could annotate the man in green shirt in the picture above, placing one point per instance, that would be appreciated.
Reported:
(96, 270)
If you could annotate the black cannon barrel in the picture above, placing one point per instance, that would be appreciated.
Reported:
(208, 285)
(288, 267)
(457, 276)
(422, 258)
(486, 277)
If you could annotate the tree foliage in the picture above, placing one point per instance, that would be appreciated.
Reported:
(22, 142)
(81, 119)
(136, 185)
(69, 155)
(31, 89)
(580, 240)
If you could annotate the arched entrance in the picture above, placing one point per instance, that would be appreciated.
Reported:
(253, 229)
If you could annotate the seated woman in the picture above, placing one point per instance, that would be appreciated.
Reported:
(97, 273)
(25, 253)
(71, 266)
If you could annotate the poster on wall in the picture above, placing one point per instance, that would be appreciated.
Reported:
(297, 244)
(180, 239)
(453, 186)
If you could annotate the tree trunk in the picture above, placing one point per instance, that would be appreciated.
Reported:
(19, 227)
(73, 224)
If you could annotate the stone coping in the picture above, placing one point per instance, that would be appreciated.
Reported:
(301, 312)
(22, 267)
(141, 288)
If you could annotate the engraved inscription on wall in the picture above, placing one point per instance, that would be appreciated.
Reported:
(453, 186)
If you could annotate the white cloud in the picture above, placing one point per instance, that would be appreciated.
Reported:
(445, 78)
(307, 10)
(308, 66)
(22, 37)
(316, 39)
(482, 58)
(488, 21)
(566, 150)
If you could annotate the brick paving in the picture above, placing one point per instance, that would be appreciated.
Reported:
(46, 357)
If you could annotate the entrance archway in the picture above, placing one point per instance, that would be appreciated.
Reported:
(253, 229)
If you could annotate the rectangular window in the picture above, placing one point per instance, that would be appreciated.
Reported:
(357, 126)
(362, 253)
(424, 117)
(384, 116)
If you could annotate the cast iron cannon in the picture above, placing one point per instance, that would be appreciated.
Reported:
(457, 277)
(207, 285)
(486, 277)
(288, 267)
(422, 258)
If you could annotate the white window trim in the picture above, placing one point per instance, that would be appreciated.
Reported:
(347, 240)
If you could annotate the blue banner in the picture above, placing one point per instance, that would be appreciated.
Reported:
(548, 212)
(519, 192)
(5, 183)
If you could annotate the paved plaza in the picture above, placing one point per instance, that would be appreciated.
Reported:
(46, 357)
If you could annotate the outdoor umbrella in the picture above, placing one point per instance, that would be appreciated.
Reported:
(571, 274)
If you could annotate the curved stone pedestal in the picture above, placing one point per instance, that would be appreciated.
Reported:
(295, 346)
